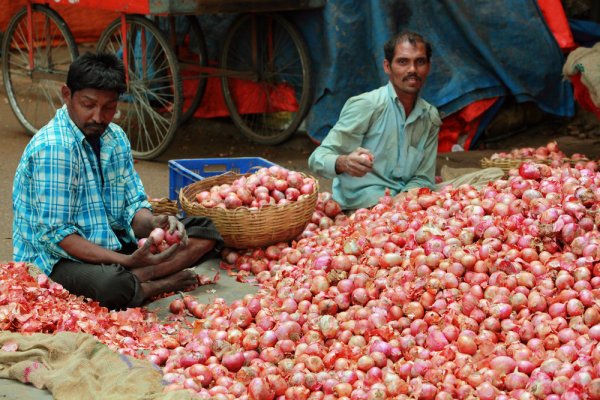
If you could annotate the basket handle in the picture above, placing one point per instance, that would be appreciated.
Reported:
(226, 173)
(255, 168)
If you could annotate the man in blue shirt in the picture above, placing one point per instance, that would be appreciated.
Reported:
(79, 205)
(386, 138)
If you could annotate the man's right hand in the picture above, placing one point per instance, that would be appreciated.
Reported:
(358, 163)
(143, 257)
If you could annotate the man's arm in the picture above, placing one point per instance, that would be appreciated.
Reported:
(143, 223)
(86, 251)
(137, 213)
(344, 139)
(53, 173)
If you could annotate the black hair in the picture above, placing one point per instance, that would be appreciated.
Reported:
(102, 71)
(405, 36)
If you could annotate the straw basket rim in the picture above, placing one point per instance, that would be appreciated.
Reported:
(163, 205)
(506, 164)
(246, 227)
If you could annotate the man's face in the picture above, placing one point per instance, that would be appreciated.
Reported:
(91, 109)
(409, 68)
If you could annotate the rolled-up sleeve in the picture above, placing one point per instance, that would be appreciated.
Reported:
(53, 190)
(343, 138)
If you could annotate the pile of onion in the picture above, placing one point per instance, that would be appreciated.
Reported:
(549, 154)
(268, 186)
(457, 294)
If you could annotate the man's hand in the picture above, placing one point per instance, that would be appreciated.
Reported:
(143, 257)
(171, 224)
(358, 163)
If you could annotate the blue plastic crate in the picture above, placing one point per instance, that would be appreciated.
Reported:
(187, 171)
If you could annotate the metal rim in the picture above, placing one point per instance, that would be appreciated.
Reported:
(150, 110)
(35, 95)
(195, 34)
(281, 62)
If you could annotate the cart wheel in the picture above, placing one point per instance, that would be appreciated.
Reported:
(149, 111)
(34, 94)
(268, 89)
(192, 55)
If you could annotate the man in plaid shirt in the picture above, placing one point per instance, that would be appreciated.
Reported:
(79, 205)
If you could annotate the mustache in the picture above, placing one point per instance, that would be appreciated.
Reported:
(95, 126)
(410, 76)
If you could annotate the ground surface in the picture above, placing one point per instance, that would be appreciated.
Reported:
(217, 138)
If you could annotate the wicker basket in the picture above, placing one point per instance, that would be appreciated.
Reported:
(506, 164)
(164, 206)
(244, 228)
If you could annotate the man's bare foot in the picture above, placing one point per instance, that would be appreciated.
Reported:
(172, 283)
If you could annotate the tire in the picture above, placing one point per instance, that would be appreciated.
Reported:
(150, 110)
(190, 50)
(281, 63)
(34, 98)
(200, 59)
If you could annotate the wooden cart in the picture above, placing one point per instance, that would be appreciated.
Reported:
(263, 53)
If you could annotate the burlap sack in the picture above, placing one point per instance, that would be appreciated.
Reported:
(477, 178)
(77, 366)
(447, 173)
(586, 61)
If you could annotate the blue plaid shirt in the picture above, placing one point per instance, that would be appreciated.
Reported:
(58, 191)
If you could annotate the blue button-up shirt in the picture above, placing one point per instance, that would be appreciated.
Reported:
(58, 190)
(405, 148)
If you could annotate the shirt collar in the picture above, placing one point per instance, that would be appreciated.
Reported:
(418, 109)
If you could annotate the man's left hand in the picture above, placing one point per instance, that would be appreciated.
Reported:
(171, 224)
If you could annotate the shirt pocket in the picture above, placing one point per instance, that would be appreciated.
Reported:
(406, 168)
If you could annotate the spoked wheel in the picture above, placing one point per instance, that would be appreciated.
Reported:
(191, 54)
(150, 110)
(187, 38)
(34, 92)
(267, 88)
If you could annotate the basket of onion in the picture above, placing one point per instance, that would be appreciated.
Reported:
(548, 154)
(255, 209)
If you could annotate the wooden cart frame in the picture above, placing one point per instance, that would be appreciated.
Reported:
(263, 56)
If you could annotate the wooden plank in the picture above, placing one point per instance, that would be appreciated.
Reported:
(126, 6)
(198, 7)
(189, 7)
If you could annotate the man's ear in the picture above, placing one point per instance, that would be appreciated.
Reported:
(386, 66)
(66, 94)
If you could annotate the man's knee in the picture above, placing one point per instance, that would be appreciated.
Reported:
(202, 244)
(110, 285)
(116, 290)
(202, 249)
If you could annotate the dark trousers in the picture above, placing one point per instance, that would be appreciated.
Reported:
(114, 286)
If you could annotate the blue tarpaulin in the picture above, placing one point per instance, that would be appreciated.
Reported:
(481, 49)
(585, 33)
